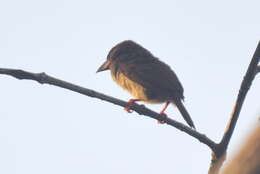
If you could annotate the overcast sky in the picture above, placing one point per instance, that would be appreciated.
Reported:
(45, 129)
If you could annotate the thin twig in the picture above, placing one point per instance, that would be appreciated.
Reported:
(244, 88)
(140, 109)
(221, 148)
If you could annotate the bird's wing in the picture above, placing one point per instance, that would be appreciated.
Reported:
(159, 79)
(154, 75)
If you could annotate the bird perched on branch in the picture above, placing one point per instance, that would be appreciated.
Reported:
(145, 77)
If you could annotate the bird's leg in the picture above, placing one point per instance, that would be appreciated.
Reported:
(163, 114)
(130, 103)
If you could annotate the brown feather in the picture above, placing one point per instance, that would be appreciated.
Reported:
(144, 76)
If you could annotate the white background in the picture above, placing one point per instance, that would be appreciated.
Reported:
(45, 129)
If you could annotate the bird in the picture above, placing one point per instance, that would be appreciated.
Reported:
(145, 77)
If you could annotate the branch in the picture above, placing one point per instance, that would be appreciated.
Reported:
(218, 156)
(244, 88)
(43, 78)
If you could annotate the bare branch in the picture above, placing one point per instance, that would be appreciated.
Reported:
(140, 109)
(244, 88)
(221, 148)
(216, 165)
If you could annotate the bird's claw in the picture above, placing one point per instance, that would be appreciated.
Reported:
(130, 104)
(164, 118)
(128, 109)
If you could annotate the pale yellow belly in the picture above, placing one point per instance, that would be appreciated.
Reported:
(133, 88)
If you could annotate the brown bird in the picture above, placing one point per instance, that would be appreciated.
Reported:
(145, 77)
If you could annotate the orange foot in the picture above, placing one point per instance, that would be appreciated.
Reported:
(164, 118)
(130, 104)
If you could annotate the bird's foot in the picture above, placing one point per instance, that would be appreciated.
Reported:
(164, 118)
(130, 104)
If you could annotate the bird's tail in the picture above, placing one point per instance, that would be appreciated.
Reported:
(184, 113)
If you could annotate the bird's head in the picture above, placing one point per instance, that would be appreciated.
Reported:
(125, 52)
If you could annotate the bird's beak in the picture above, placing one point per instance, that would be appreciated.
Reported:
(104, 66)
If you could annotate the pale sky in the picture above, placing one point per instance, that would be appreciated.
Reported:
(45, 129)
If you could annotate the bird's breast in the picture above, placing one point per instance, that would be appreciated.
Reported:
(135, 89)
